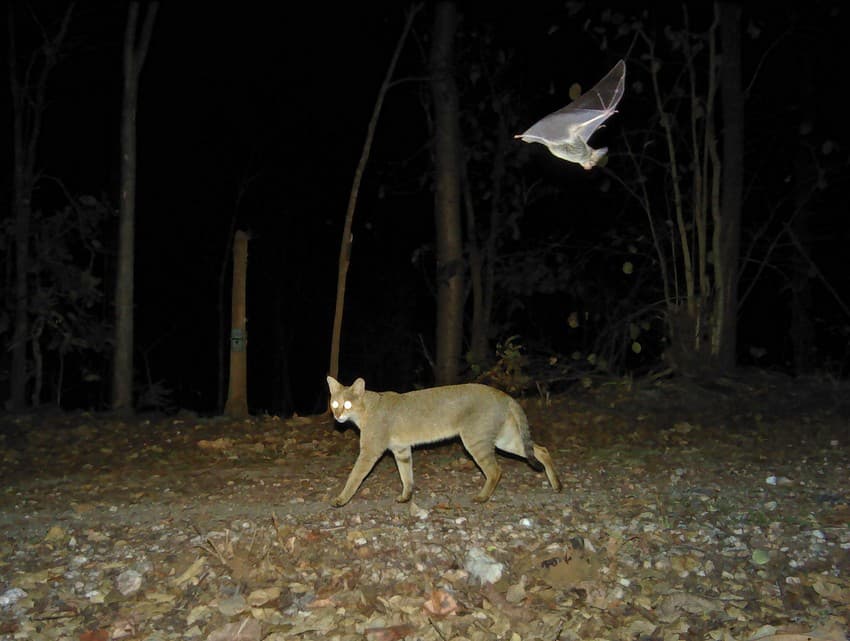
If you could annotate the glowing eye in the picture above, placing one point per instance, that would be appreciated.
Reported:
(334, 404)
(347, 405)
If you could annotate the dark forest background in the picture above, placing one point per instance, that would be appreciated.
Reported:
(254, 119)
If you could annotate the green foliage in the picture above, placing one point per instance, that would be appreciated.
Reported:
(65, 289)
(509, 372)
(66, 292)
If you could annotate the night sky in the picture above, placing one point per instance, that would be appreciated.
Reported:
(275, 101)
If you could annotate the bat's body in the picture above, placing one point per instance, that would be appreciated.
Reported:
(566, 131)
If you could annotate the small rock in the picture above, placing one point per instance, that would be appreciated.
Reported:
(11, 596)
(417, 512)
(128, 582)
(483, 567)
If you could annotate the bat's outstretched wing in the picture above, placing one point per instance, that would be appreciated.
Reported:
(584, 115)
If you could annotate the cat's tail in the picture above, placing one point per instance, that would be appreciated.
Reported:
(525, 433)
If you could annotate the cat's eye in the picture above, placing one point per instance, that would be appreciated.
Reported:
(334, 404)
(347, 405)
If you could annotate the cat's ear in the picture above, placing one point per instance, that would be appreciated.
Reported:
(333, 385)
(358, 387)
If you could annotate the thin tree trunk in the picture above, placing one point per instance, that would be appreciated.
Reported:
(222, 350)
(478, 328)
(22, 187)
(805, 175)
(482, 262)
(449, 241)
(347, 237)
(237, 391)
(732, 104)
(134, 59)
(28, 104)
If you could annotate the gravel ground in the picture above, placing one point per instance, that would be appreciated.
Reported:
(688, 512)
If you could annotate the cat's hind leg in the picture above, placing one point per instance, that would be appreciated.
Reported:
(404, 462)
(484, 455)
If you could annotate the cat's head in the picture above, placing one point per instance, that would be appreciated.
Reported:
(346, 402)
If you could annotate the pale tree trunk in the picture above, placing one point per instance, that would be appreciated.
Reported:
(237, 391)
(222, 282)
(732, 184)
(135, 50)
(28, 104)
(449, 241)
(347, 237)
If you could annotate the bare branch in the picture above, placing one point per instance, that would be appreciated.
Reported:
(345, 248)
(799, 246)
(147, 29)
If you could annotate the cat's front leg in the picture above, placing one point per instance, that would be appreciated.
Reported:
(404, 462)
(365, 462)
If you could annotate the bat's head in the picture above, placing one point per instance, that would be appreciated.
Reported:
(595, 157)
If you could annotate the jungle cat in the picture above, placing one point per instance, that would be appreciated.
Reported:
(484, 418)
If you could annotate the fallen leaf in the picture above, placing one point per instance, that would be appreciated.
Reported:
(245, 630)
(673, 604)
(191, 572)
(232, 605)
(122, 628)
(217, 445)
(391, 633)
(577, 567)
(516, 592)
(54, 535)
(831, 590)
(262, 596)
(441, 603)
(321, 603)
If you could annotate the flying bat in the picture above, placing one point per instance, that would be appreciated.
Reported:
(566, 131)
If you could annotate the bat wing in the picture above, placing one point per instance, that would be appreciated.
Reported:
(582, 116)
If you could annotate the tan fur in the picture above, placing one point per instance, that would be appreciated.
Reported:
(483, 417)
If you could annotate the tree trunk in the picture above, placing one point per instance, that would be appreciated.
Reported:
(732, 104)
(237, 392)
(449, 242)
(22, 188)
(134, 58)
(478, 329)
(482, 262)
(28, 104)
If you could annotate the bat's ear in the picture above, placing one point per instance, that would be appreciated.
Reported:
(598, 158)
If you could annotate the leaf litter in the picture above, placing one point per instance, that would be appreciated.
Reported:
(718, 513)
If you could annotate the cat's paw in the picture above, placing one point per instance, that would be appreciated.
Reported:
(403, 498)
(339, 501)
